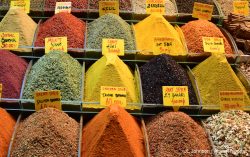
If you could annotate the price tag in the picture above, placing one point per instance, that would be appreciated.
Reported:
(56, 43)
(111, 6)
(202, 11)
(175, 96)
(241, 7)
(24, 4)
(231, 100)
(1, 90)
(63, 7)
(9, 40)
(212, 44)
(113, 46)
(164, 45)
(155, 6)
(113, 95)
(44, 99)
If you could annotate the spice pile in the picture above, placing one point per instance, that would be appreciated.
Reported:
(7, 124)
(109, 26)
(16, 20)
(230, 132)
(110, 70)
(36, 5)
(76, 4)
(12, 71)
(48, 132)
(55, 71)
(163, 71)
(60, 25)
(239, 27)
(195, 30)
(214, 75)
(124, 5)
(176, 134)
(227, 6)
(245, 69)
(112, 132)
(156, 26)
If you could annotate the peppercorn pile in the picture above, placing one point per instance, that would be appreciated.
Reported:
(48, 132)
(245, 69)
(230, 132)
(37, 5)
(76, 4)
(124, 5)
(176, 134)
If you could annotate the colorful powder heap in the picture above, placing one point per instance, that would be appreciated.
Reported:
(176, 134)
(7, 124)
(60, 25)
(112, 132)
(17, 21)
(55, 71)
(195, 30)
(124, 5)
(12, 71)
(48, 132)
(76, 4)
(214, 75)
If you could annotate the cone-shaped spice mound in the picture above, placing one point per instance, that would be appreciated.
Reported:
(176, 134)
(48, 132)
(113, 132)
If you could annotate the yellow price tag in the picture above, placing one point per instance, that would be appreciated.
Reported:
(155, 6)
(164, 45)
(231, 100)
(56, 43)
(212, 44)
(175, 96)
(1, 90)
(113, 95)
(9, 40)
(63, 7)
(113, 46)
(111, 6)
(45, 99)
(202, 11)
(24, 4)
(241, 7)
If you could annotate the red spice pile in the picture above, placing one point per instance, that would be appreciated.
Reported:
(7, 124)
(76, 4)
(113, 132)
(62, 24)
(195, 30)
(12, 71)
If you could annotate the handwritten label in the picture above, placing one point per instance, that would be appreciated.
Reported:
(56, 43)
(1, 90)
(113, 46)
(106, 7)
(241, 7)
(175, 96)
(164, 45)
(63, 7)
(155, 6)
(9, 40)
(212, 44)
(44, 99)
(202, 11)
(113, 95)
(24, 4)
(231, 100)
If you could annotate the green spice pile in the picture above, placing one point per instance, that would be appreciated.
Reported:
(55, 71)
(109, 26)
(230, 132)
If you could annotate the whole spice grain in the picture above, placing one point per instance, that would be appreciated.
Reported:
(163, 71)
(76, 4)
(60, 25)
(176, 134)
(227, 6)
(112, 132)
(124, 5)
(230, 133)
(12, 71)
(245, 69)
(55, 71)
(48, 132)
(7, 124)
(195, 30)
(37, 5)
(109, 26)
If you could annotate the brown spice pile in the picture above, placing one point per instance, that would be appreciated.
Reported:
(112, 133)
(48, 132)
(175, 134)
(195, 30)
